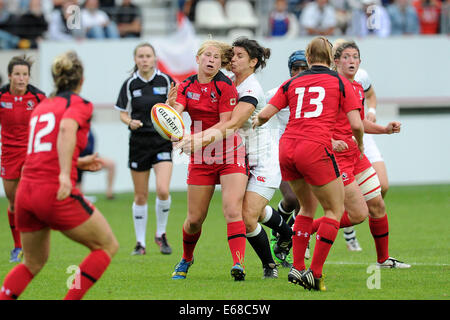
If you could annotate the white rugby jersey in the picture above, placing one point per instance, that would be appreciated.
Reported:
(362, 77)
(282, 115)
(250, 91)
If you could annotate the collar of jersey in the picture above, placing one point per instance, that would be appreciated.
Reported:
(151, 78)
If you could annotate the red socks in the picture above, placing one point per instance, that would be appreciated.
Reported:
(237, 240)
(15, 282)
(91, 269)
(14, 231)
(344, 223)
(189, 243)
(380, 232)
(326, 235)
(300, 239)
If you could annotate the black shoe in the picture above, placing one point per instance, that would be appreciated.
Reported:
(164, 247)
(270, 271)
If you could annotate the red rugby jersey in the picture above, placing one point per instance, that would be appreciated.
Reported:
(15, 113)
(343, 130)
(315, 97)
(41, 163)
(206, 101)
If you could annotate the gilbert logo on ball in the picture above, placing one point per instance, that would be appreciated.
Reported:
(167, 122)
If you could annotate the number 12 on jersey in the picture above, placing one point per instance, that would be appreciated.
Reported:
(315, 101)
(39, 146)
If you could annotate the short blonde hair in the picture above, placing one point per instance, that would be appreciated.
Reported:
(319, 50)
(226, 51)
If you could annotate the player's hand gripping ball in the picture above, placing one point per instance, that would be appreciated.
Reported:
(167, 122)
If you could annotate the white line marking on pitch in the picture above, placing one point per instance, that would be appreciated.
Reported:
(367, 264)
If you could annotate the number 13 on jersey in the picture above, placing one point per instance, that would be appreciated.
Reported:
(313, 101)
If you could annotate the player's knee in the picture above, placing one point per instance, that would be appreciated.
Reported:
(377, 207)
(112, 247)
(162, 193)
(140, 199)
(35, 265)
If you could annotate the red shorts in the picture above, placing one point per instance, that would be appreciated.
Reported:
(350, 165)
(37, 208)
(309, 160)
(207, 170)
(12, 161)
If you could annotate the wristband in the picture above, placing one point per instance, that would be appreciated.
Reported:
(372, 110)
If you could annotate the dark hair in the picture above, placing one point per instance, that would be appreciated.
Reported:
(19, 61)
(254, 50)
(345, 45)
(67, 71)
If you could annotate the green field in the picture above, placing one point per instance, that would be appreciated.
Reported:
(419, 234)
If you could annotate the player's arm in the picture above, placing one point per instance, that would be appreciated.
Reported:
(91, 162)
(172, 98)
(374, 128)
(223, 129)
(67, 139)
(264, 115)
(371, 101)
(133, 124)
(357, 127)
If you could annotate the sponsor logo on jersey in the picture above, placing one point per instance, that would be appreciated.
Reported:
(30, 105)
(232, 101)
(160, 90)
(193, 95)
(344, 176)
(7, 105)
(137, 93)
(213, 97)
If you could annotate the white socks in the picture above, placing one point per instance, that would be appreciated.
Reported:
(140, 215)
(140, 222)
(162, 208)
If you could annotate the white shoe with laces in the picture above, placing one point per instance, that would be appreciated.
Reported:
(392, 263)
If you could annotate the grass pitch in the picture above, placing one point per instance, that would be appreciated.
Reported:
(419, 234)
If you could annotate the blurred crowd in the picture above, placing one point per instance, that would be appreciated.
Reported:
(360, 17)
(23, 23)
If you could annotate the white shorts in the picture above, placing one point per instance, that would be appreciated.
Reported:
(265, 174)
(371, 150)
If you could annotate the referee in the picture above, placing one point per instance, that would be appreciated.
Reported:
(147, 149)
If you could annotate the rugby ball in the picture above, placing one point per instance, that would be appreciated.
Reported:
(167, 122)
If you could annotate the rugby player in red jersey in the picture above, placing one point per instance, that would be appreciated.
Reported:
(361, 183)
(17, 100)
(210, 97)
(307, 162)
(47, 198)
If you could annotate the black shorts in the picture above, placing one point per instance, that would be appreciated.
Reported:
(147, 149)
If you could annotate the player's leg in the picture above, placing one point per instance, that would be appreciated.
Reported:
(253, 206)
(302, 225)
(36, 247)
(110, 166)
(140, 209)
(233, 191)
(381, 170)
(163, 174)
(331, 197)
(199, 197)
(10, 187)
(96, 234)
